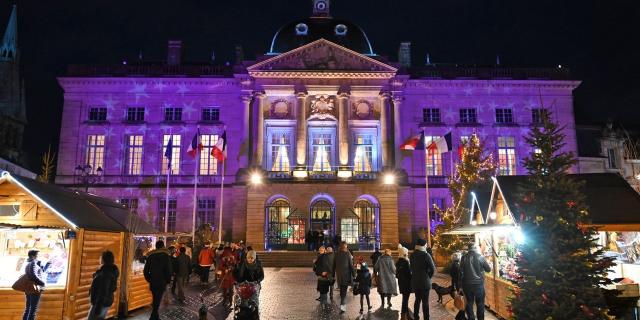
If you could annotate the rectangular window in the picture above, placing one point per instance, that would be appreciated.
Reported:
(172, 114)
(506, 156)
(95, 152)
(537, 115)
(133, 156)
(206, 211)
(349, 230)
(208, 163)
(434, 158)
(464, 139)
(171, 225)
(431, 115)
(468, 115)
(131, 204)
(97, 114)
(135, 114)
(504, 116)
(280, 151)
(175, 154)
(210, 114)
(611, 157)
(363, 159)
(321, 151)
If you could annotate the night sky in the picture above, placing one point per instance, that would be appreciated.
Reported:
(596, 39)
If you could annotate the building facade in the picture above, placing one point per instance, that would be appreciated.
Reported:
(320, 117)
(13, 115)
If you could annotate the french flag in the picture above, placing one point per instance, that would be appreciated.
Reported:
(195, 146)
(414, 143)
(219, 150)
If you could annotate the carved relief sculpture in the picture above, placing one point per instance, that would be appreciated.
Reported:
(280, 109)
(362, 109)
(322, 108)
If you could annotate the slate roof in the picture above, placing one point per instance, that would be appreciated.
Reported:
(83, 209)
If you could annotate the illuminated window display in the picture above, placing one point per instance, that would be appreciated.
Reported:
(624, 247)
(505, 248)
(54, 250)
(143, 245)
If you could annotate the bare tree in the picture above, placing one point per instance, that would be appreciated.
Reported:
(48, 166)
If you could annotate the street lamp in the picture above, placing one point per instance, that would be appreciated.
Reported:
(87, 176)
(389, 178)
(256, 178)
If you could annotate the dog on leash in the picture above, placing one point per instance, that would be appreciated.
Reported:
(442, 291)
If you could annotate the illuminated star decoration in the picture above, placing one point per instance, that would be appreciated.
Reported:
(159, 85)
(182, 89)
(490, 89)
(187, 109)
(449, 113)
(109, 103)
(139, 90)
(468, 91)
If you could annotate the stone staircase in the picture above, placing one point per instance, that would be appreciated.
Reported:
(303, 259)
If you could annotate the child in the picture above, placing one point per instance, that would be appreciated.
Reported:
(363, 278)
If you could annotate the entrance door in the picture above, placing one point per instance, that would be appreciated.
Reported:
(277, 226)
(368, 215)
(322, 220)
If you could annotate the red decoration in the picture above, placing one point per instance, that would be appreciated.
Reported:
(571, 203)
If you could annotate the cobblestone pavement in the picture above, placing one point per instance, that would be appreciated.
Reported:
(289, 293)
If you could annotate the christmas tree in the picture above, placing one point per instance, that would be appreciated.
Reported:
(560, 266)
(474, 168)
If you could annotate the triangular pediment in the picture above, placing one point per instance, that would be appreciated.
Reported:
(321, 56)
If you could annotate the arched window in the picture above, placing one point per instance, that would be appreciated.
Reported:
(277, 228)
(322, 217)
(368, 215)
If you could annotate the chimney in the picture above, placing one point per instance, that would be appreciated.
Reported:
(174, 52)
(404, 54)
(239, 52)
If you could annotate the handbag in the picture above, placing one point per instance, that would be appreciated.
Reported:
(459, 302)
(26, 285)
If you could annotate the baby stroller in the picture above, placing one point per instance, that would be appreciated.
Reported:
(246, 297)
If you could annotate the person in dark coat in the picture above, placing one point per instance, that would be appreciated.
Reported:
(157, 272)
(183, 266)
(322, 269)
(174, 267)
(472, 268)
(314, 240)
(344, 273)
(363, 279)
(454, 271)
(103, 286)
(307, 240)
(331, 257)
(250, 269)
(34, 271)
(375, 256)
(422, 270)
(403, 273)
(316, 262)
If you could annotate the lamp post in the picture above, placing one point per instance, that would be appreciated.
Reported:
(87, 176)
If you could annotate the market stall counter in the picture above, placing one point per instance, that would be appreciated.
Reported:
(71, 229)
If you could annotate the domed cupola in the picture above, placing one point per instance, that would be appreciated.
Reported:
(320, 26)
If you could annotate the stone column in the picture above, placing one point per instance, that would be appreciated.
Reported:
(246, 150)
(261, 105)
(343, 128)
(397, 128)
(301, 129)
(384, 129)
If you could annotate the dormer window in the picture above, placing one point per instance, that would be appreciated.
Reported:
(302, 29)
(341, 30)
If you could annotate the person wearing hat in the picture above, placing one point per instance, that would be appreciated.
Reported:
(403, 273)
(472, 268)
(250, 269)
(422, 270)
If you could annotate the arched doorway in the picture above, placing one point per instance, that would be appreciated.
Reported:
(322, 219)
(277, 224)
(368, 215)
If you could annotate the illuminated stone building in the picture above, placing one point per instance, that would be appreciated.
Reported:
(320, 117)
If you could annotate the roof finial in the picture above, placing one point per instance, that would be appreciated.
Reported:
(9, 46)
(428, 59)
(497, 60)
(321, 8)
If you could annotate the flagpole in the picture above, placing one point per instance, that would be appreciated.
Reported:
(195, 187)
(221, 202)
(426, 188)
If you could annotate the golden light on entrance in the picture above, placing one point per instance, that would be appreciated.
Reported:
(389, 179)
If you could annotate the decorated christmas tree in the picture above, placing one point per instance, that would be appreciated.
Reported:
(474, 168)
(560, 266)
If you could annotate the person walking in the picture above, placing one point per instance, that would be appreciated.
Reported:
(344, 273)
(454, 271)
(157, 271)
(322, 269)
(183, 264)
(472, 268)
(34, 271)
(422, 270)
(363, 279)
(173, 254)
(331, 257)
(103, 286)
(403, 273)
(205, 260)
(386, 271)
(316, 267)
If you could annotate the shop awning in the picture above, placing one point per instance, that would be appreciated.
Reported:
(80, 209)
